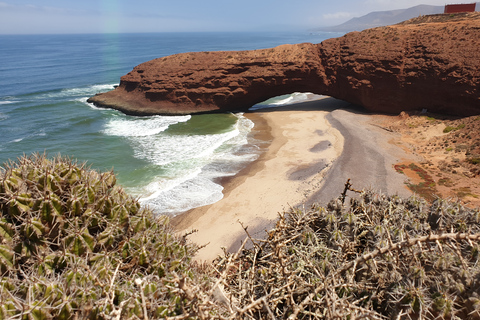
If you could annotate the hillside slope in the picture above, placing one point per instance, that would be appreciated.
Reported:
(383, 18)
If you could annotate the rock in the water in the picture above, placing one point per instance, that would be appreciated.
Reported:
(429, 63)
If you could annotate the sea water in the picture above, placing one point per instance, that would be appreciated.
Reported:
(172, 164)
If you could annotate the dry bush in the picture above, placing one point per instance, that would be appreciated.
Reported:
(380, 257)
(74, 245)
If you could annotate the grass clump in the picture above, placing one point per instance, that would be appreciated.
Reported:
(426, 188)
(430, 119)
(473, 160)
(450, 128)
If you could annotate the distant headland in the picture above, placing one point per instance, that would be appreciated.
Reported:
(430, 62)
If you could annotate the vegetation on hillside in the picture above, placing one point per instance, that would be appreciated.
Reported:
(450, 151)
(74, 245)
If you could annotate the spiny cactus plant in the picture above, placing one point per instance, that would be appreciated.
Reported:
(381, 257)
(72, 244)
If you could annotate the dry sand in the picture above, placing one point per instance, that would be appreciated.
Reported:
(308, 160)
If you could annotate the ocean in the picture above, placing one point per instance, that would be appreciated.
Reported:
(172, 164)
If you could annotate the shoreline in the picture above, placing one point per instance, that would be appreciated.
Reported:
(186, 219)
(301, 150)
(314, 147)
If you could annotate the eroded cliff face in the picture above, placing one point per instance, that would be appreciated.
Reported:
(410, 66)
(431, 64)
(215, 81)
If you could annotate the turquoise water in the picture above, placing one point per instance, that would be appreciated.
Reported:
(171, 163)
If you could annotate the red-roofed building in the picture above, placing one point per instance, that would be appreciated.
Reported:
(455, 8)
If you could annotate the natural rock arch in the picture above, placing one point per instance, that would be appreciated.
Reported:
(434, 66)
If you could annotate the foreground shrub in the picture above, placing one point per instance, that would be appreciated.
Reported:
(72, 244)
(381, 257)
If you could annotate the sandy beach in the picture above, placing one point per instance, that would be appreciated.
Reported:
(315, 147)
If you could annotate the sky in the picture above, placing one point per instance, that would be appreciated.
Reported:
(120, 16)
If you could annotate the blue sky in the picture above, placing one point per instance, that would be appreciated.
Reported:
(101, 16)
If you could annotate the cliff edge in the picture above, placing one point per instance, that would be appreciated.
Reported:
(430, 62)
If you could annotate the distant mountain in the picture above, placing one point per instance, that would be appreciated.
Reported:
(384, 18)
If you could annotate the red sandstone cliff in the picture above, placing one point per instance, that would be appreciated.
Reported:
(429, 63)
(209, 81)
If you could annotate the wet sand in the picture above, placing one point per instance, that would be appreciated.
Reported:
(367, 159)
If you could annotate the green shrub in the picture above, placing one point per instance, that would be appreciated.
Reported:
(450, 128)
(473, 160)
(74, 245)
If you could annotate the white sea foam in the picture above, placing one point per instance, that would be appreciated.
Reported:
(245, 126)
(6, 102)
(287, 99)
(74, 93)
(141, 127)
(39, 133)
(190, 194)
(91, 105)
(169, 149)
(89, 90)
(191, 163)
(234, 145)
(160, 185)
(190, 190)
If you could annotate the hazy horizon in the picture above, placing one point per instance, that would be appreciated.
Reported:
(123, 16)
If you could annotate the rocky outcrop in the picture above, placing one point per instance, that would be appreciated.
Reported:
(432, 63)
(215, 81)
